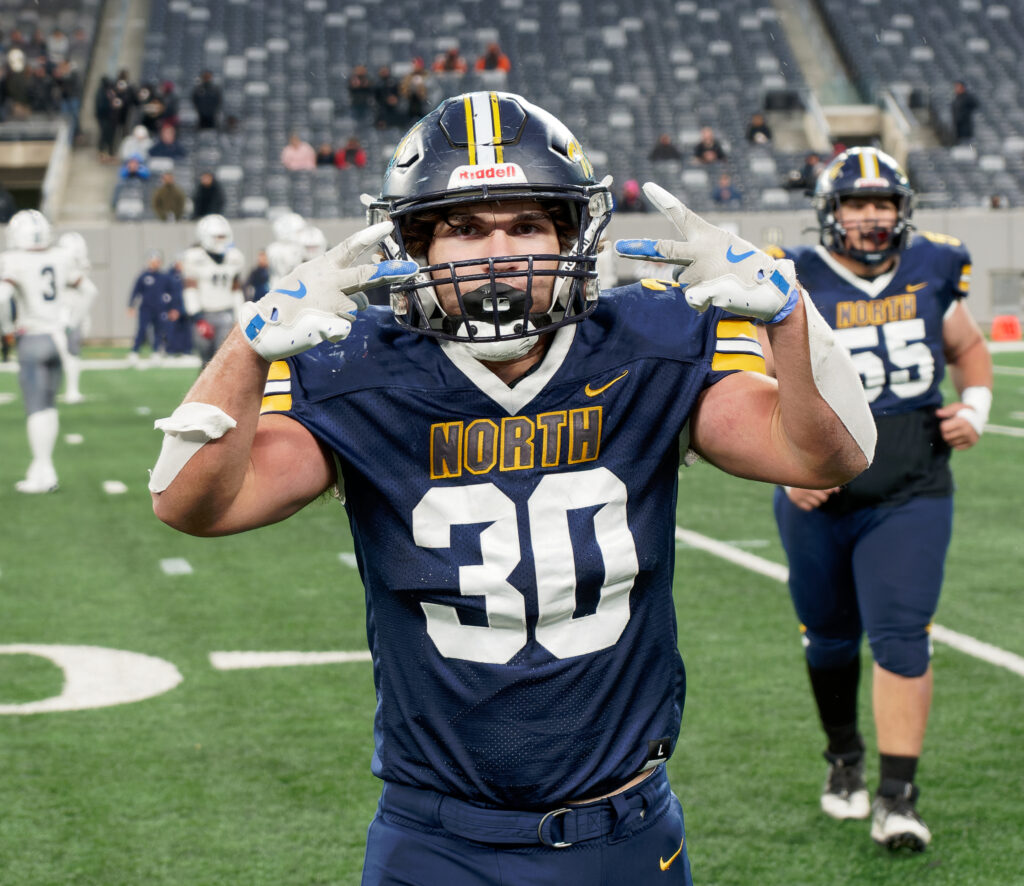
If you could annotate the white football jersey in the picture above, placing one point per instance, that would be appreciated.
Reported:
(214, 280)
(39, 277)
(79, 292)
(283, 257)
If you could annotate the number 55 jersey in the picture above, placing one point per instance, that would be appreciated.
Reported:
(517, 543)
(892, 326)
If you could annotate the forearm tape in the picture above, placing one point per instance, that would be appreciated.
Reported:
(186, 430)
(977, 401)
(838, 381)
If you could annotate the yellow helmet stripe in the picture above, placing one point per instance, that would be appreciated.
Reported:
(496, 123)
(470, 134)
(869, 165)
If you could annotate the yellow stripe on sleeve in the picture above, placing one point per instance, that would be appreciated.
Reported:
(279, 370)
(735, 328)
(747, 362)
(277, 403)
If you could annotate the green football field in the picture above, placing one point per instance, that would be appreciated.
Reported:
(256, 771)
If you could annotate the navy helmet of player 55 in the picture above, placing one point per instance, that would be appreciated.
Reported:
(476, 148)
(214, 234)
(29, 229)
(863, 172)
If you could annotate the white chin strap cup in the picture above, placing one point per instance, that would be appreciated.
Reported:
(186, 430)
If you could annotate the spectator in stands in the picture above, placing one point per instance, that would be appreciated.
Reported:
(58, 45)
(172, 104)
(360, 92)
(664, 149)
(8, 206)
(68, 86)
(133, 172)
(350, 154)
(805, 177)
(169, 199)
(137, 144)
(708, 149)
(493, 59)
(388, 100)
(208, 197)
(298, 154)
(631, 200)
(414, 89)
(258, 281)
(16, 96)
(324, 154)
(207, 99)
(151, 108)
(105, 111)
(965, 104)
(758, 130)
(168, 144)
(724, 193)
(124, 105)
(451, 62)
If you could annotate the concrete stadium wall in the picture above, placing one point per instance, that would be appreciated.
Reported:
(117, 251)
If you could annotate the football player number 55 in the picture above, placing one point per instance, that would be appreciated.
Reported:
(548, 508)
(906, 349)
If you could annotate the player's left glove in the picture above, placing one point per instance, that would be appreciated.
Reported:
(316, 302)
(718, 268)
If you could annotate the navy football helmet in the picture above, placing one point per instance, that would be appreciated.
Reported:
(484, 147)
(863, 172)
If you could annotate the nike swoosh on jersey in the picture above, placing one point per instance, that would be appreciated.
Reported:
(593, 392)
(665, 865)
(734, 258)
(294, 293)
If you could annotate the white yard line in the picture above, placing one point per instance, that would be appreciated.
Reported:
(962, 642)
(234, 661)
(175, 566)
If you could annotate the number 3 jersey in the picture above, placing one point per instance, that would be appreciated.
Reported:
(893, 328)
(517, 543)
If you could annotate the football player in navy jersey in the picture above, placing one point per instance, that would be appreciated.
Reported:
(506, 442)
(867, 556)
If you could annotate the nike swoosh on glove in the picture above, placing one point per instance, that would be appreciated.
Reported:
(718, 268)
(316, 302)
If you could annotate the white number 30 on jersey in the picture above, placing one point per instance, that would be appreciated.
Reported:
(548, 508)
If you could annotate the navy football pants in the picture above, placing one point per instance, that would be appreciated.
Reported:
(414, 840)
(877, 570)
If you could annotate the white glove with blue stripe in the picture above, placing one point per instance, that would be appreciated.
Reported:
(718, 268)
(316, 302)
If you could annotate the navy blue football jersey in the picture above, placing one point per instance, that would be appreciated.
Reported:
(516, 542)
(892, 325)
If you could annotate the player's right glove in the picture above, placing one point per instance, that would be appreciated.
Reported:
(316, 302)
(718, 268)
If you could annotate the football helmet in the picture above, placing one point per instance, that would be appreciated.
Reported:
(214, 234)
(75, 246)
(288, 226)
(313, 242)
(29, 229)
(484, 147)
(863, 172)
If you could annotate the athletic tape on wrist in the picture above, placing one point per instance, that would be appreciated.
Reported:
(838, 381)
(977, 401)
(186, 430)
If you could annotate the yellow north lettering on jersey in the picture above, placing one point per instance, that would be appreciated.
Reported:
(943, 239)
(876, 312)
(483, 445)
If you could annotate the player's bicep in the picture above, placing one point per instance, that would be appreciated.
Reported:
(287, 469)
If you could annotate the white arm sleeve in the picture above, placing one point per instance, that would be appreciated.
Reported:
(838, 381)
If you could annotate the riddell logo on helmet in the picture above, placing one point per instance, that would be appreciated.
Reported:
(499, 173)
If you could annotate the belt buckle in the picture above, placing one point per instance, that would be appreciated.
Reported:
(553, 814)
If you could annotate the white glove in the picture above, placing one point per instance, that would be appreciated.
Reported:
(718, 268)
(316, 301)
